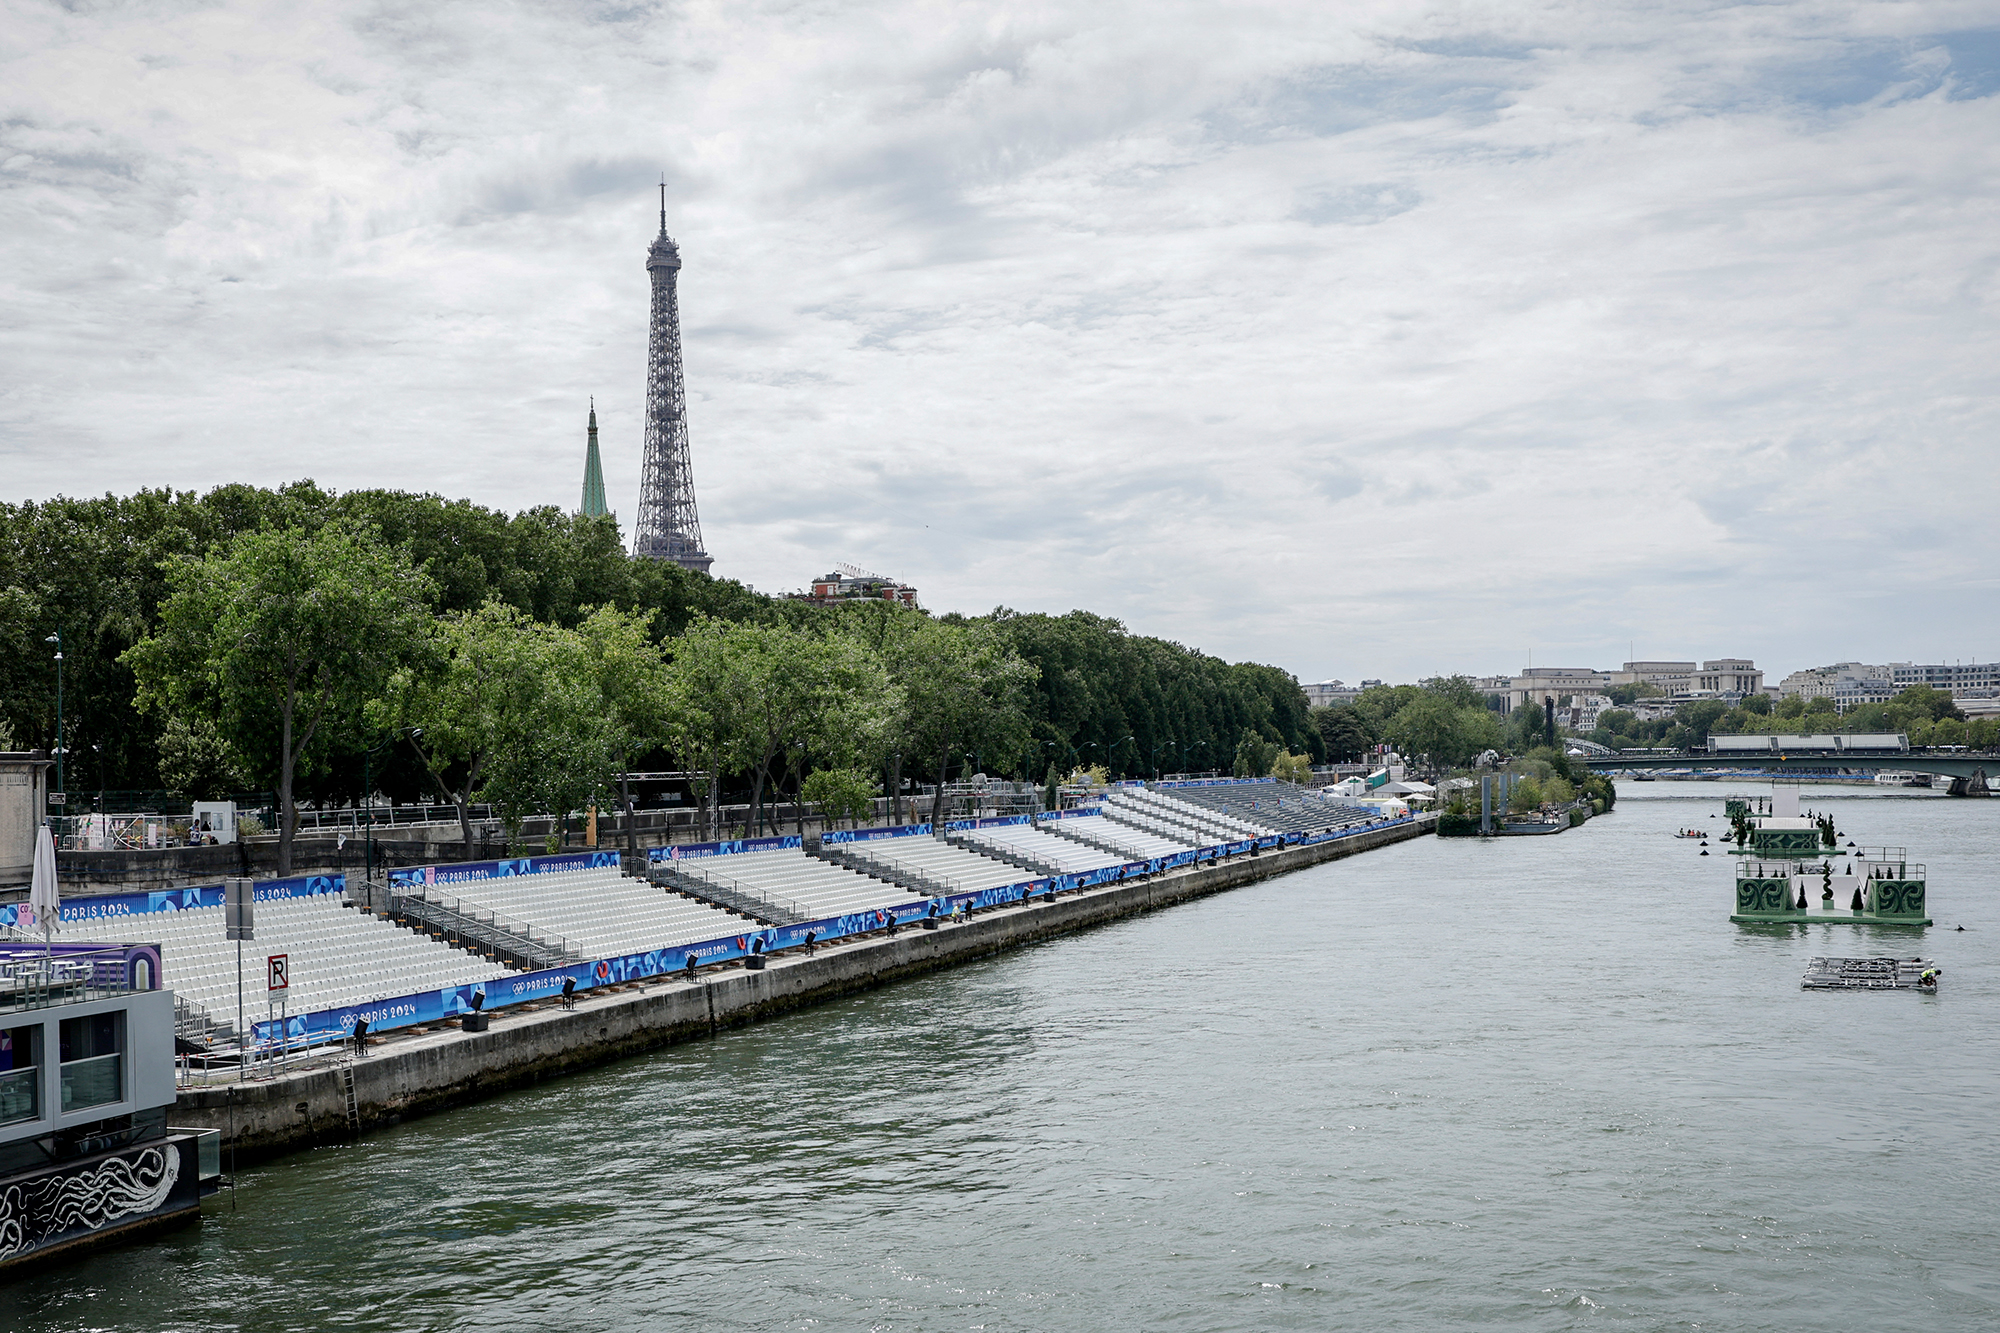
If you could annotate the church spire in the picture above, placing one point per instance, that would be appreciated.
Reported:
(593, 472)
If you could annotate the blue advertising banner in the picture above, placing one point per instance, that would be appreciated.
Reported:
(111, 907)
(689, 851)
(465, 872)
(436, 1006)
(1211, 782)
(1072, 814)
(996, 821)
(871, 834)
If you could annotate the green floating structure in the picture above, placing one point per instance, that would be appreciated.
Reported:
(1772, 827)
(1880, 887)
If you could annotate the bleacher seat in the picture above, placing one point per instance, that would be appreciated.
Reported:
(601, 911)
(1270, 807)
(804, 886)
(1049, 853)
(1123, 839)
(338, 956)
(950, 868)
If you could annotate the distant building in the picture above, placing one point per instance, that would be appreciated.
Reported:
(1824, 682)
(1668, 677)
(1853, 691)
(1579, 712)
(1955, 677)
(1730, 676)
(1331, 693)
(1727, 678)
(1539, 683)
(848, 584)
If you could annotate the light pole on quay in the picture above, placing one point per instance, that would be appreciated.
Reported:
(56, 639)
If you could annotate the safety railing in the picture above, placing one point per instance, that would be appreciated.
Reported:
(912, 877)
(32, 977)
(748, 899)
(467, 923)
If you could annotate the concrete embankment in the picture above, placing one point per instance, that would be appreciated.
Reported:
(415, 1074)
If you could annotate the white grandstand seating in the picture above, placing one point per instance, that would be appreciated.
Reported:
(1136, 844)
(805, 886)
(601, 911)
(953, 867)
(1134, 815)
(1064, 856)
(1274, 807)
(1208, 825)
(338, 956)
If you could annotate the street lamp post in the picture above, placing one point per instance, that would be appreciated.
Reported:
(56, 639)
(368, 796)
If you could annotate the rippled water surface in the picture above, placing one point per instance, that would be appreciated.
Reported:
(1538, 1084)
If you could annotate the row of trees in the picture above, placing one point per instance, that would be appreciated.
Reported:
(1445, 720)
(328, 645)
(1928, 715)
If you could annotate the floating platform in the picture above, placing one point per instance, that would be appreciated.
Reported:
(1888, 891)
(1870, 974)
(1833, 913)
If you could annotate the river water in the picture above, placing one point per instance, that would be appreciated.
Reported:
(1532, 1084)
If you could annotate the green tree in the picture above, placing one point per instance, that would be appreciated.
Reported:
(1255, 755)
(194, 758)
(1433, 727)
(1870, 717)
(567, 759)
(630, 673)
(1292, 768)
(963, 689)
(1790, 708)
(752, 694)
(1925, 703)
(1700, 716)
(1617, 721)
(703, 706)
(1524, 726)
(276, 635)
(1457, 691)
(839, 793)
(475, 695)
(1345, 735)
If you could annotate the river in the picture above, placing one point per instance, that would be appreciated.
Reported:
(1533, 1084)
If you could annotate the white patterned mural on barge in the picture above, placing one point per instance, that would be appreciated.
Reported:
(56, 1206)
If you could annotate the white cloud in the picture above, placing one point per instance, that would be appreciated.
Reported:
(1370, 341)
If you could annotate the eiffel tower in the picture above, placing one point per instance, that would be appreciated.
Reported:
(668, 528)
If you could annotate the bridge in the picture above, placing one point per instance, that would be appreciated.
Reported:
(1967, 764)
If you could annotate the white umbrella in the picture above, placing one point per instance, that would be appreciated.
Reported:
(43, 896)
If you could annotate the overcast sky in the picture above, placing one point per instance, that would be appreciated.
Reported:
(1364, 339)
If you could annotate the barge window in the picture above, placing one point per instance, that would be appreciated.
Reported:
(93, 1066)
(20, 1074)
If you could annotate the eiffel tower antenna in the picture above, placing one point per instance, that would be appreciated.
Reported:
(668, 526)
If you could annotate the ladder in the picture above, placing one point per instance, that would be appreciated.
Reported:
(353, 1105)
